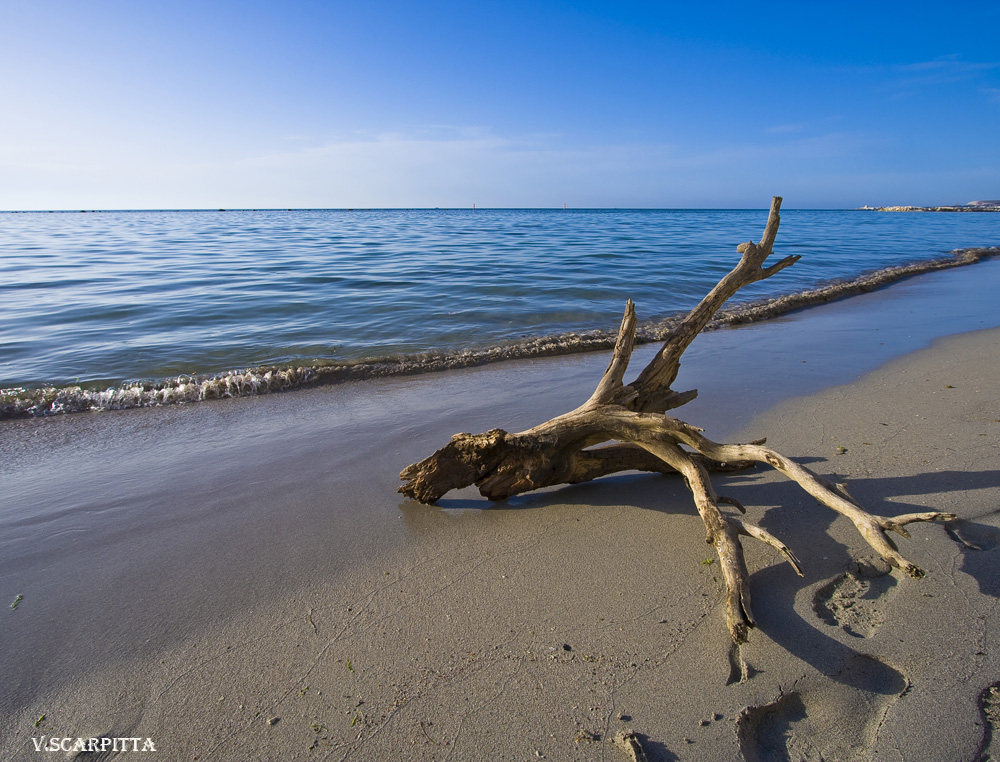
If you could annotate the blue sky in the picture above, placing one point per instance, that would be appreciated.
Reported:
(134, 104)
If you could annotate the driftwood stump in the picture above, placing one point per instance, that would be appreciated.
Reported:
(564, 449)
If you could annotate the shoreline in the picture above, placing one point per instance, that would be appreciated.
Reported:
(19, 402)
(190, 573)
(965, 208)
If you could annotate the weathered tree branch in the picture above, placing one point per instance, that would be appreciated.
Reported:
(564, 450)
(653, 384)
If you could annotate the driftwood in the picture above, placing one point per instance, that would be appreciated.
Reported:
(564, 449)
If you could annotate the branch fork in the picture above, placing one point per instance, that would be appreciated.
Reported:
(572, 447)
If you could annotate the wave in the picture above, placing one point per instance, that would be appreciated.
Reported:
(23, 402)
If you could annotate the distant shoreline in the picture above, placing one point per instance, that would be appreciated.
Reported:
(972, 206)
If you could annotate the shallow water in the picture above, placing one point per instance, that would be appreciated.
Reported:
(105, 298)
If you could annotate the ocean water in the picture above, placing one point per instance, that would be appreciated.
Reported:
(159, 299)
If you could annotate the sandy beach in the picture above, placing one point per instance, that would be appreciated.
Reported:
(238, 580)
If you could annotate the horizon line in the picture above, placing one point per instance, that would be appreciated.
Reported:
(430, 209)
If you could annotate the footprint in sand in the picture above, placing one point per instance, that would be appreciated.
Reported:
(989, 705)
(851, 600)
(979, 542)
(972, 535)
(125, 728)
(823, 719)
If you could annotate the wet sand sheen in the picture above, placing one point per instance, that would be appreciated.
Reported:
(190, 573)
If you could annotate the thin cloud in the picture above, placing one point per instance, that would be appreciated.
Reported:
(450, 166)
(906, 80)
(951, 65)
(459, 166)
(941, 71)
(782, 129)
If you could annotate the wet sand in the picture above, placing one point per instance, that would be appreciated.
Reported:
(239, 580)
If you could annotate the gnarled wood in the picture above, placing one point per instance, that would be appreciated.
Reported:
(564, 450)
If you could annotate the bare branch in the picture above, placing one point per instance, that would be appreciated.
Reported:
(766, 537)
(662, 370)
(611, 381)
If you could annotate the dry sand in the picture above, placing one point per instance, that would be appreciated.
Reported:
(239, 580)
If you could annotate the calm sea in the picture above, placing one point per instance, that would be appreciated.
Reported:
(106, 299)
